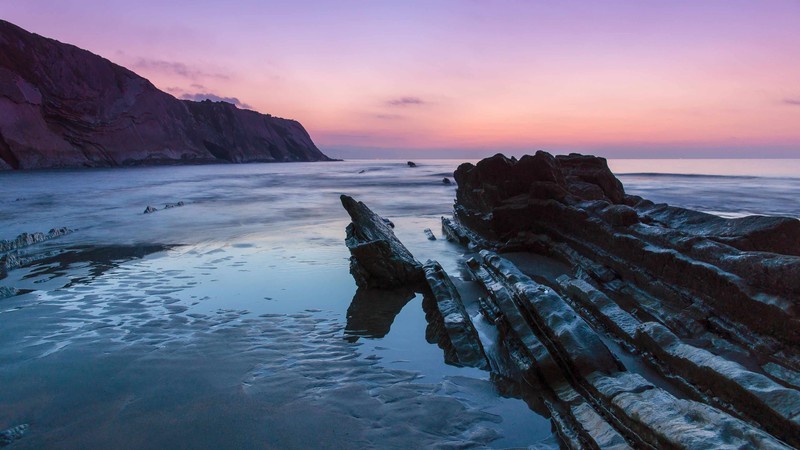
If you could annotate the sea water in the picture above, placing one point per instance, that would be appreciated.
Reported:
(232, 321)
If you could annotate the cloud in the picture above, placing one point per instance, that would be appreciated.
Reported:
(406, 101)
(199, 97)
(791, 101)
(176, 68)
(388, 116)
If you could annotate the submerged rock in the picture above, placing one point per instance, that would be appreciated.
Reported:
(378, 259)
(446, 181)
(8, 436)
(149, 210)
(411, 164)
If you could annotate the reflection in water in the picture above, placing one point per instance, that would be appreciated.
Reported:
(372, 311)
(98, 260)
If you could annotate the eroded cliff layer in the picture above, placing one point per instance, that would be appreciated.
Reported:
(61, 106)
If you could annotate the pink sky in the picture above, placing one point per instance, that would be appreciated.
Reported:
(466, 78)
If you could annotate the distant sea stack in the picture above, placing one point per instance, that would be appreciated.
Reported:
(62, 106)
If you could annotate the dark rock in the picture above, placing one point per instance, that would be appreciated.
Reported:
(411, 164)
(457, 330)
(174, 205)
(6, 292)
(743, 270)
(378, 259)
(429, 234)
(61, 106)
(28, 239)
(12, 434)
(387, 222)
(446, 181)
(709, 302)
(149, 210)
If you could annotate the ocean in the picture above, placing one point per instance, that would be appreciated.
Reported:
(233, 322)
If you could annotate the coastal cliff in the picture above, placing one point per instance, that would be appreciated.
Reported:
(62, 106)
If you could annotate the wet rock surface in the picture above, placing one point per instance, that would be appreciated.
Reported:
(61, 106)
(672, 329)
(10, 435)
(378, 259)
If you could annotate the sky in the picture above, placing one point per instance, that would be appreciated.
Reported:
(446, 78)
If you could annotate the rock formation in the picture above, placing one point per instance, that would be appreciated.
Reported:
(712, 302)
(61, 106)
(636, 325)
(379, 259)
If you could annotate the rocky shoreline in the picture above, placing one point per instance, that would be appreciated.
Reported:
(639, 325)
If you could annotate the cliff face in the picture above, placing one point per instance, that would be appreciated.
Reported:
(61, 106)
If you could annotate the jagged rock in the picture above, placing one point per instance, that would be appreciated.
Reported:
(411, 164)
(27, 239)
(378, 259)
(446, 181)
(174, 205)
(8, 436)
(429, 234)
(387, 222)
(449, 311)
(6, 291)
(61, 106)
(744, 272)
(149, 210)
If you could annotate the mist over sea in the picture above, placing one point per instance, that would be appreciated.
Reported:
(233, 319)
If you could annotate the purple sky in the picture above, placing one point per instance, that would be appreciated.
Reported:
(699, 78)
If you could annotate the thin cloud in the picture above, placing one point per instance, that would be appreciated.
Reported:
(791, 101)
(176, 68)
(406, 101)
(388, 116)
(199, 97)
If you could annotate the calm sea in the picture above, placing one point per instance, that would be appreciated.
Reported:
(232, 322)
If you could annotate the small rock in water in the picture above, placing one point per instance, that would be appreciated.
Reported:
(6, 292)
(411, 164)
(429, 234)
(446, 180)
(12, 434)
(362, 170)
(149, 210)
(173, 205)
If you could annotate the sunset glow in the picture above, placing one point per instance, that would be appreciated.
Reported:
(463, 78)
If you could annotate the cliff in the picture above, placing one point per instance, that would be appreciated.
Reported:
(62, 106)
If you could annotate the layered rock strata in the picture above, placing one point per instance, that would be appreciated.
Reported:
(666, 328)
(710, 303)
(378, 259)
(61, 106)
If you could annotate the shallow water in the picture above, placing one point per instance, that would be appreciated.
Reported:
(232, 322)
